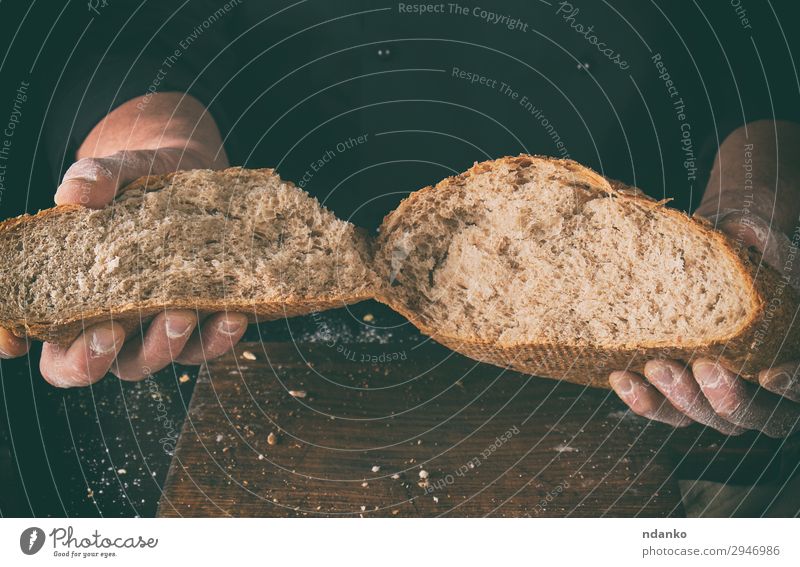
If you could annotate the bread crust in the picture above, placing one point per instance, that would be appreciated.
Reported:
(768, 336)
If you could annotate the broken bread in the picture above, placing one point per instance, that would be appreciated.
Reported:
(536, 264)
(237, 240)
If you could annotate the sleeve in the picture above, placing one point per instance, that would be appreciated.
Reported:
(132, 49)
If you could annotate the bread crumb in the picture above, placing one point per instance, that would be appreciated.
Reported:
(298, 393)
(423, 474)
(247, 355)
(183, 378)
(272, 439)
(363, 508)
(435, 499)
(395, 512)
(219, 437)
(364, 484)
(122, 471)
(395, 476)
(368, 318)
(376, 468)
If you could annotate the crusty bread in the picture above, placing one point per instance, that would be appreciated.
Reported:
(239, 240)
(544, 266)
(532, 263)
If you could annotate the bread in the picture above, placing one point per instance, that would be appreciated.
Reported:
(532, 263)
(546, 267)
(239, 240)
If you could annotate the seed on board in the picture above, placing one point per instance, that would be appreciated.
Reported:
(183, 378)
(298, 393)
(363, 508)
(376, 468)
(395, 512)
(435, 500)
(247, 355)
(122, 471)
(423, 474)
(368, 318)
(364, 484)
(395, 476)
(272, 439)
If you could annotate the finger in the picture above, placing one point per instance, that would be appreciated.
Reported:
(163, 341)
(86, 360)
(218, 334)
(676, 382)
(11, 346)
(94, 182)
(782, 380)
(743, 403)
(645, 400)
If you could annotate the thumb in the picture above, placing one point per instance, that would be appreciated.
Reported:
(94, 182)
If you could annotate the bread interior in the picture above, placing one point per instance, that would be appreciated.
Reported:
(516, 255)
(235, 236)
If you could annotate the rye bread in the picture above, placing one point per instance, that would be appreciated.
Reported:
(237, 240)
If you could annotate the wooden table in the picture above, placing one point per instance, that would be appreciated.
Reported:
(490, 442)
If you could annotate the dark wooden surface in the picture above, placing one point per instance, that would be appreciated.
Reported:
(569, 451)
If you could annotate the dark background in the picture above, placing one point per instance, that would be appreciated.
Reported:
(286, 82)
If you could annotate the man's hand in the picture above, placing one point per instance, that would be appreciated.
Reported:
(707, 393)
(174, 132)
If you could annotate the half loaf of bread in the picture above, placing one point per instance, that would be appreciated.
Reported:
(238, 240)
(532, 263)
(546, 267)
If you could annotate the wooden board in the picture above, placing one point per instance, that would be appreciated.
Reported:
(493, 443)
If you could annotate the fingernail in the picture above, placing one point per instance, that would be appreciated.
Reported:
(719, 387)
(229, 327)
(660, 374)
(178, 325)
(11, 339)
(621, 383)
(782, 382)
(709, 374)
(103, 341)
